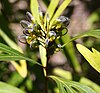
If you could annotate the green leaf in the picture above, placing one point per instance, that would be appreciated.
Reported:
(9, 50)
(34, 9)
(9, 41)
(62, 73)
(13, 55)
(43, 57)
(90, 83)
(92, 57)
(60, 10)
(52, 6)
(66, 86)
(92, 33)
(6, 57)
(5, 88)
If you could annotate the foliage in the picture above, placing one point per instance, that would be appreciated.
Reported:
(5, 88)
(91, 57)
(70, 86)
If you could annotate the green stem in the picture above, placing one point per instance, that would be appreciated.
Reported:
(46, 77)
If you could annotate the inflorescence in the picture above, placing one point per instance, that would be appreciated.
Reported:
(35, 35)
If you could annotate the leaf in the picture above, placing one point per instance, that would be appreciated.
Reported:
(9, 41)
(43, 57)
(34, 9)
(9, 50)
(51, 9)
(22, 68)
(60, 10)
(92, 57)
(66, 86)
(5, 88)
(92, 33)
(13, 55)
(90, 83)
(6, 57)
(63, 73)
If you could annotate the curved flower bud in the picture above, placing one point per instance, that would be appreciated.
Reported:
(26, 24)
(34, 44)
(22, 39)
(52, 35)
(64, 20)
(30, 17)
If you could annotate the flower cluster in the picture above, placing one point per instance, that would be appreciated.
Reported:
(35, 35)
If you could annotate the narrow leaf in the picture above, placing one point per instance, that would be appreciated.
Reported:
(13, 53)
(9, 50)
(42, 51)
(60, 10)
(5, 88)
(92, 33)
(43, 57)
(66, 86)
(21, 68)
(34, 9)
(9, 41)
(6, 57)
(92, 57)
(51, 9)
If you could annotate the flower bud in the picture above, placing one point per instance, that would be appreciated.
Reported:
(30, 17)
(52, 35)
(26, 24)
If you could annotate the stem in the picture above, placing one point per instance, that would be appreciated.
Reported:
(46, 84)
(46, 77)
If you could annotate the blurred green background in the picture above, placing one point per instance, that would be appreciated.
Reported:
(84, 15)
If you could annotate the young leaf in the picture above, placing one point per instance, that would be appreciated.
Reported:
(52, 6)
(92, 33)
(60, 10)
(34, 9)
(42, 51)
(70, 86)
(5, 88)
(43, 57)
(92, 57)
